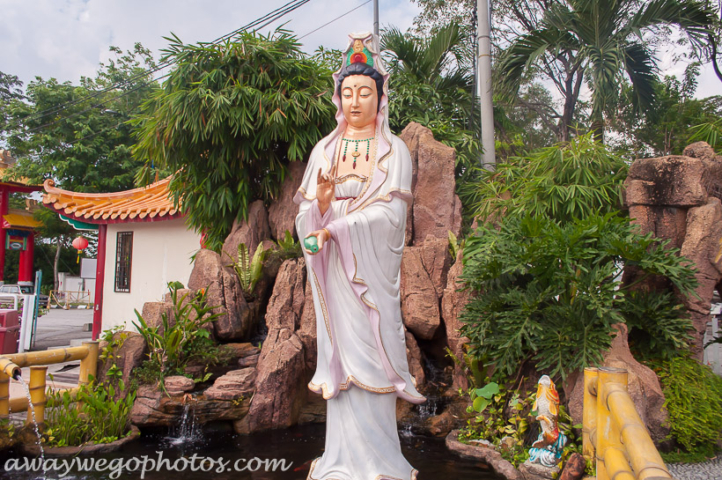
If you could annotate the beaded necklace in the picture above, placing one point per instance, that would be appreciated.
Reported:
(355, 154)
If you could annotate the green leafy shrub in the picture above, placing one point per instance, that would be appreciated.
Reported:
(566, 181)
(693, 396)
(97, 414)
(228, 120)
(551, 291)
(658, 324)
(249, 269)
(499, 413)
(173, 345)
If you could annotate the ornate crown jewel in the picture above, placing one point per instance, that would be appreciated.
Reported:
(359, 54)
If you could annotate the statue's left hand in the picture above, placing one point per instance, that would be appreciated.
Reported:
(322, 236)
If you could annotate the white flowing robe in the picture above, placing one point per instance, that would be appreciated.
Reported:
(362, 364)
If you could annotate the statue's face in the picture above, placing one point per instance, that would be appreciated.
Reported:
(359, 100)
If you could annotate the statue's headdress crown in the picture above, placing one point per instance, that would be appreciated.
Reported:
(359, 54)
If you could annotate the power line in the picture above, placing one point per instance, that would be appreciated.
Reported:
(337, 18)
(268, 19)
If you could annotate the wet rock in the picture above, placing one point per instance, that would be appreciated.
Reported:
(415, 358)
(419, 303)
(233, 385)
(440, 425)
(251, 232)
(314, 411)
(178, 385)
(452, 303)
(486, 455)
(533, 471)
(643, 387)
(282, 211)
(154, 409)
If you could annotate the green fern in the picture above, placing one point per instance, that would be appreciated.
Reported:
(249, 269)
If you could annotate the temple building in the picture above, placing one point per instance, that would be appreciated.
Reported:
(143, 243)
(17, 229)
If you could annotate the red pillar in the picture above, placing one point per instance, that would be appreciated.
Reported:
(99, 281)
(25, 272)
(4, 201)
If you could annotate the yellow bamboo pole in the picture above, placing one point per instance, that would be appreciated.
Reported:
(8, 367)
(643, 455)
(4, 396)
(589, 414)
(89, 364)
(20, 404)
(607, 435)
(37, 393)
(46, 357)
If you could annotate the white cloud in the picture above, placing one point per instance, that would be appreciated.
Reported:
(68, 39)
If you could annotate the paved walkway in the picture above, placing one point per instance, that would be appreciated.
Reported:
(56, 329)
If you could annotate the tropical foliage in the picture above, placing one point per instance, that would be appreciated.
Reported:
(181, 338)
(599, 42)
(549, 257)
(228, 120)
(552, 291)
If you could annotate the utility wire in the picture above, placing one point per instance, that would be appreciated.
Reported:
(268, 18)
(337, 18)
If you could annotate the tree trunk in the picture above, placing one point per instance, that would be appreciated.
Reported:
(58, 247)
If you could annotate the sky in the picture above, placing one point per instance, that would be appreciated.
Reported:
(67, 39)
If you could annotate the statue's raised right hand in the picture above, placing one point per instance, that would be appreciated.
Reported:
(325, 190)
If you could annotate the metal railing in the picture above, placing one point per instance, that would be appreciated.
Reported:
(613, 432)
(38, 362)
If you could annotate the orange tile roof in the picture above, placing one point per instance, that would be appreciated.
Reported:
(151, 203)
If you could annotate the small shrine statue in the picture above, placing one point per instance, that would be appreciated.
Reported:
(547, 450)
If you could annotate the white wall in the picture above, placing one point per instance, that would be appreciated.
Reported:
(161, 253)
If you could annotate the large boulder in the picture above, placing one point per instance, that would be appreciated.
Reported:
(153, 312)
(128, 356)
(702, 246)
(307, 331)
(436, 209)
(152, 408)
(436, 259)
(419, 302)
(452, 303)
(223, 290)
(251, 232)
(643, 387)
(415, 359)
(712, 162)
(280, 385)
(282, 211)
(674, 180)
(281, 380)
(233, 385)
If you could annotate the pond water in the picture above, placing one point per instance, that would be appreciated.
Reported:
(298, 446)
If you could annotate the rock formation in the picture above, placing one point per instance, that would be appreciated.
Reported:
(677, 197)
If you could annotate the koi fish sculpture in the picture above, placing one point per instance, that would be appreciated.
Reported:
(547, 449)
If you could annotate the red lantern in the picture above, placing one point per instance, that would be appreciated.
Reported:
(80, 244)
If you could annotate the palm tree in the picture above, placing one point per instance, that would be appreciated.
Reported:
(599, 41)
(438, 65)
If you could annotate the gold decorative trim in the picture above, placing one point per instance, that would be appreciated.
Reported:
(350, 380)
(371, 171)
(302, 191)
(322, 300)
(359, 280)
(349, 176)
(414, 473)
